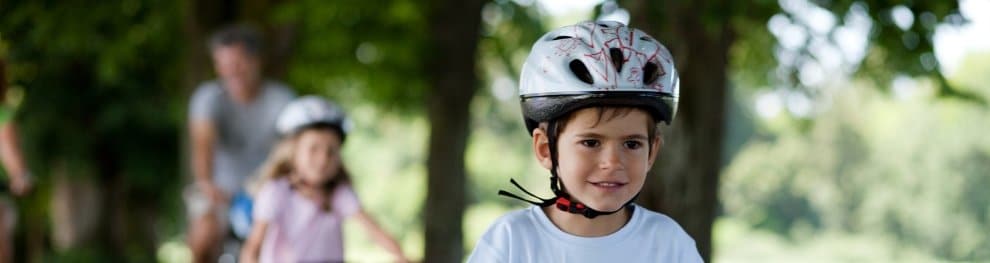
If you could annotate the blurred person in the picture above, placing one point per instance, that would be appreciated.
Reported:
(231, 128)
(19, 178)
(593, 95)
(306, 193)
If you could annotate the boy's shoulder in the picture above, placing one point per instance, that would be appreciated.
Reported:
(662, 234)
(654, 217)
(654, 224)
(516, 219)
(644, 224)
(507, 234)
(522, 224)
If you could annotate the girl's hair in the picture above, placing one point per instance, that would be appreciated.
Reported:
(279, 163)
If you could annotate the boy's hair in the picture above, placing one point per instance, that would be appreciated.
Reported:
(243, 35)
(605, 113)
(279, 163)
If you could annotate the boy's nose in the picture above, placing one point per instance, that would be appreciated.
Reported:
(611, 159)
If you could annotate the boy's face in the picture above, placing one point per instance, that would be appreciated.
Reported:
(602, 161)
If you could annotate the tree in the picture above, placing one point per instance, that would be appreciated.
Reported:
(98, 121)
(454, 32)
(701, 35)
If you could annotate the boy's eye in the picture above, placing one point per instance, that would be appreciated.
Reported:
(633, 144)
(590, 143)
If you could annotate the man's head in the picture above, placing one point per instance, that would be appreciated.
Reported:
(236, 52)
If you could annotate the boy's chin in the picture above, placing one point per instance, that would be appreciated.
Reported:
(606, 206)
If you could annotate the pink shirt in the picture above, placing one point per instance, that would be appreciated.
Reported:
(298, 230)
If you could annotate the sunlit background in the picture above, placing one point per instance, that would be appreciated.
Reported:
(834, 149)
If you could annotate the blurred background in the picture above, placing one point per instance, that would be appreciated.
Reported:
(809, 130)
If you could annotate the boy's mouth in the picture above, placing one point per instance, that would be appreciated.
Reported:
(608, 184)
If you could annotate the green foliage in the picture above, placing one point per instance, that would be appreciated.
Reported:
(752, 64)
(972, 76)
(891, 50)
(360, 51)
(100, 95)
(910, 171)
(736, 241)
(385, 156)
(509, 31)
(93, 81)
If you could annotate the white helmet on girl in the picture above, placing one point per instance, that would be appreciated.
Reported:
(602, 63)
(311, 110)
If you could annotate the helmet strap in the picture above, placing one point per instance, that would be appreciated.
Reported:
(562, 200)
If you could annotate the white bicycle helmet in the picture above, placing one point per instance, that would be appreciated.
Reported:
(312, 110)
(602, 63)
(592, 64)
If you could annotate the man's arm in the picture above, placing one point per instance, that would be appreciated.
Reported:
(202, 133)
(13, 161)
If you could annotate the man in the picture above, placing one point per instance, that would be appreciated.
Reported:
(18, 175)
(232, 128)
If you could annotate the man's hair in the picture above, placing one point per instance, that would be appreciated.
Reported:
(243, 35)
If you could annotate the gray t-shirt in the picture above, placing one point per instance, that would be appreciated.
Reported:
(245, 133)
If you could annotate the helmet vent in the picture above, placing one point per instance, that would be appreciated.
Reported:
(645, 38)
(617, 58)
(561, 37)
(581, 71)
(603, 25)
(650, 73)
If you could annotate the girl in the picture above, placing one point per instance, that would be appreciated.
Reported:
(307, 192)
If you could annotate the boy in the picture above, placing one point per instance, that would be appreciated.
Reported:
(592, 96)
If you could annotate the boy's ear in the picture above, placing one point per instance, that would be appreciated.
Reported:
(541, 146)
(655, 150)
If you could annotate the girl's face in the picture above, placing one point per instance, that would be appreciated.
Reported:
(317, 156)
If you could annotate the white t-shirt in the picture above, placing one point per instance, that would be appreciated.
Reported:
(529, 236)
(245, 133)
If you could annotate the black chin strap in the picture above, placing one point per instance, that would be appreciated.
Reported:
(561, 199)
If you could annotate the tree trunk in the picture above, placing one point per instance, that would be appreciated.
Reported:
(76, 208)
(454, 32)
(684, 181)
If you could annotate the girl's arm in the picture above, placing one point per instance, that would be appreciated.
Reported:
(380, 236)
(249, 253)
